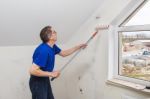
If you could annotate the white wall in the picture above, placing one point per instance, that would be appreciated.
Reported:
(14, 76)
(89, 71)
(84, 78)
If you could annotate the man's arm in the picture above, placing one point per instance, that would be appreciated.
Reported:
(36, 71)
(67, 52)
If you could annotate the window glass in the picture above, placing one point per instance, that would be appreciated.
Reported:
(134, 54)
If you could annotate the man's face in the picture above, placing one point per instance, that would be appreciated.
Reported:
(53, 35)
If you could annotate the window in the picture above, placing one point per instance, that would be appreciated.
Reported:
(134, 49)
(142, 17)
(133, 46)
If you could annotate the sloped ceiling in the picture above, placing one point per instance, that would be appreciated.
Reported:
(22, 20)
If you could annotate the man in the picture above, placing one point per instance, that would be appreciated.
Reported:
(43, 64)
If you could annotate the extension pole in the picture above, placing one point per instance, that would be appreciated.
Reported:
(70, 60)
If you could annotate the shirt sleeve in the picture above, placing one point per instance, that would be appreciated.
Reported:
(57, 49)
(41, 58)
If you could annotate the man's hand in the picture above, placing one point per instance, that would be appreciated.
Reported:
(35, 70)
(82, 46)
(55, 74)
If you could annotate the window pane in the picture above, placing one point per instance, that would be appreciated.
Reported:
(134, 54)
(141, 17)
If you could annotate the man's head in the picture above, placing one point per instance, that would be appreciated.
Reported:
(48, 34)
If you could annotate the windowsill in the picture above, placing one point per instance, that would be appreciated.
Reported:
(129, 85)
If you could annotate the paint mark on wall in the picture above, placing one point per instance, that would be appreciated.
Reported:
(81, 90)
(79, 78)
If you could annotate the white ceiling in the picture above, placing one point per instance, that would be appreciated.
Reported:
(22, 20)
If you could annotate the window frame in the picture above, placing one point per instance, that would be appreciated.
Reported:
(116, 27)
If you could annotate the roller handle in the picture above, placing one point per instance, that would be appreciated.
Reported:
(53, 78)
(94, 34)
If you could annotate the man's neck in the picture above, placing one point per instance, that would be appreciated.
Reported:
(51, 44)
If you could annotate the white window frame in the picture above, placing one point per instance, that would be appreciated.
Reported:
(114, 44)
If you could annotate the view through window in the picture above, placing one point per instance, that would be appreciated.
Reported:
(135, 52)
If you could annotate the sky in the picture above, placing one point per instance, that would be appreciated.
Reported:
(141, 17)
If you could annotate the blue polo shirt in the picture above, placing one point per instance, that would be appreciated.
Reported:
(44, 56)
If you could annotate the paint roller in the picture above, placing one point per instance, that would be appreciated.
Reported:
(97, 29)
